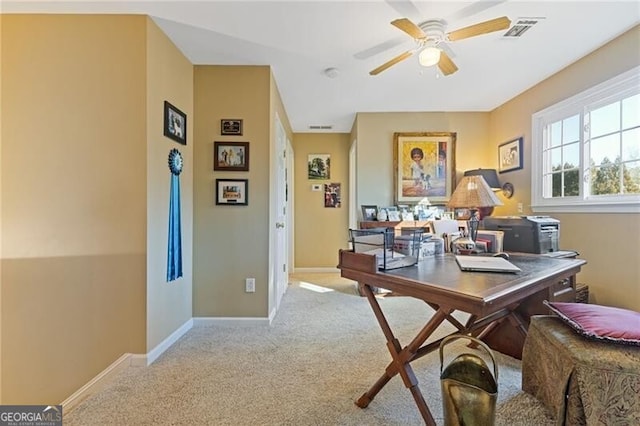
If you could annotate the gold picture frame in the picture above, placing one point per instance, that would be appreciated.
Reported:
(424, 167)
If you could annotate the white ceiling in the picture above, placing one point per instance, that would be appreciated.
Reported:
(300, 39)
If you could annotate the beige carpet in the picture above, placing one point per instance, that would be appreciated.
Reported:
(322, 351)
(331, 280)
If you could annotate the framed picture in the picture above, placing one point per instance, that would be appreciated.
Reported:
(232, 192)
(369, 213)
(332, 195)
(319, 166)
(510, 156)
(175, 123)
(231, 126)
(424, 167)
(231, 156)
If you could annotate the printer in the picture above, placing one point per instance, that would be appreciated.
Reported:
(526, 234)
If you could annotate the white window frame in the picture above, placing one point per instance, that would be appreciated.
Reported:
(622, 86)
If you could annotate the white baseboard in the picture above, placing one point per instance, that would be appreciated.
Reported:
(96, 384)
(315, 270)
(211, 321)
(135, 360)
(166, 343)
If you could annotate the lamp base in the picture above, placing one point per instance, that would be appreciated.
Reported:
(484, 211)
(464, 245)
(473, 224)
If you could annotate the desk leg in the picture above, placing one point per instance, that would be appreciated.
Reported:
(402, 357)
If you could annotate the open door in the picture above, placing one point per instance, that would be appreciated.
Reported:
(280, 258)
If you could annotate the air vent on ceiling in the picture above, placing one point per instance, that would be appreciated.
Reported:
(323, 127)
(521, 26)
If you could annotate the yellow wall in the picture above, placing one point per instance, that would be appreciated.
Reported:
(170, 78)
(1, 20)
(73, 191)
(610, 243)
(231, 242)
(375, 146)
(320, 231)
(85, 198)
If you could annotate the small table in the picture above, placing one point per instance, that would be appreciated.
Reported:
(499, 305)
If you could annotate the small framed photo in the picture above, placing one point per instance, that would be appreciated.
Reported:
(231, 126)
(369, 213)
(231, 156)
(175, 123)
(332, 197)
(232, 192)
(510, 156)
(319, 166)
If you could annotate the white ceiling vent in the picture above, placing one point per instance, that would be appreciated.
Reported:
(521, 26)
(323, 127)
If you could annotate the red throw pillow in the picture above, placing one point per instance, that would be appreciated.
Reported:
(603, 323)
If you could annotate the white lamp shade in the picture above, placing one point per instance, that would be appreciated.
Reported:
(429, 56)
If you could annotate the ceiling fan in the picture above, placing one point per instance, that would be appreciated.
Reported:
(431, 40)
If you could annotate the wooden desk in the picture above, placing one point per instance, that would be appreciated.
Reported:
(499, 305)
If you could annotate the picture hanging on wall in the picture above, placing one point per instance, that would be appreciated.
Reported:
(510, 156)
(319, 166)
(332, 195)
(175, 123)
(231, 156)
(424, 165)
(231, 126)
(232, 192)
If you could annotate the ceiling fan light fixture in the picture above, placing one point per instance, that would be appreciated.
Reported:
(429, 56)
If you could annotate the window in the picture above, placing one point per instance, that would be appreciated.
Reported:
(586, 150)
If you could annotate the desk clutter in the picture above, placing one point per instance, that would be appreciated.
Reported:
(525, 234)
(393, 249)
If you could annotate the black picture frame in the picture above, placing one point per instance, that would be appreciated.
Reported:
(510, 156)
(175, 123)
(231, 156)
(231, 126)
(369, 212)
(232, 192)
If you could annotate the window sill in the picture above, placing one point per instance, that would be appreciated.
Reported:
(585, 207)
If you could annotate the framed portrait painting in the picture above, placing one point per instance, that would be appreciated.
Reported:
(175, 123)
(424, 167)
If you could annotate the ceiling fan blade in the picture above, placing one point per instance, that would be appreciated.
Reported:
(409, 27)
(472, 9)
(392, 62)
(446, 65)
(447, 49)
(404, 7)
(485, 27)
(379, 48)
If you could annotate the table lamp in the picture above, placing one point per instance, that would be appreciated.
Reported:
(472, 193)
(491, 177)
